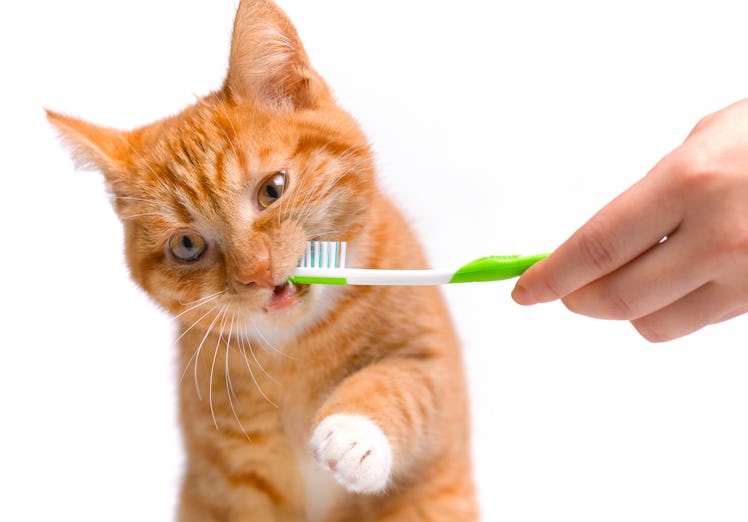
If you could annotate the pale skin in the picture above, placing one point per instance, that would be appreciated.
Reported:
(618, 266)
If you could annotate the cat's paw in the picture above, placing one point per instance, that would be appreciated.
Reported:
(355, 450)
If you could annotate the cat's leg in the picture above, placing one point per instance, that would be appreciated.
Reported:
(245, 471)
(383, 422)
(396, 433)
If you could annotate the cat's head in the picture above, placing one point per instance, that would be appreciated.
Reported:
(218, 202)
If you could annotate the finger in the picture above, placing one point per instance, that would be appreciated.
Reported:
(659, 277)
(628, 226)
(709, 304)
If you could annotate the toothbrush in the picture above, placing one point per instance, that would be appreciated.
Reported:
(324, 264)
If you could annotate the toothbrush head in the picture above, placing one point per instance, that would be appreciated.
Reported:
(324, 254)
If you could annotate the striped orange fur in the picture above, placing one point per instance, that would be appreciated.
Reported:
(334, 404)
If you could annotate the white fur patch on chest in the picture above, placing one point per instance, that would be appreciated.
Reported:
(322, 492)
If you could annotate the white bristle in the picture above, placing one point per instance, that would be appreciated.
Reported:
(324, 257)
(334, 248)
(324, 254)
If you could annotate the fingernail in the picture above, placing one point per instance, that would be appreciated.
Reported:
(523, 296)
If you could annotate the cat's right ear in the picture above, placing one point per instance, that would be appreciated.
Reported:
(268, 64)
(91, 146)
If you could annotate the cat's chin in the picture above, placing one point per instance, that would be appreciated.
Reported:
(290, 315)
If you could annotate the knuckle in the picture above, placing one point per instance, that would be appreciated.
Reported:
(694, 165)
(738, 242)
(704, 170)
(703, 123)
(553, 285)
(730, 243)
(691, 160)
(699, 175)
(600, 304)
(597, 249)
(618, 307)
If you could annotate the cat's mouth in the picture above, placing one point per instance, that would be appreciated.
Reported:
(286, 296)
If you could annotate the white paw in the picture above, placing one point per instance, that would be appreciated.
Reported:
(355, 450)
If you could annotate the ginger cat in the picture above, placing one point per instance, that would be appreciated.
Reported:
(298, 403)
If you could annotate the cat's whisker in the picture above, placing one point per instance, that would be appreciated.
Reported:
(319, 189)
(326, 234)
(187, 365)
(331, 184)
(290, 201)
(200, 347)
(199, 302)
(305, 209)
(198, 320)
(268, 343)
(251, 372)
(296, 187)
(229, 385)
(162, 204)
(317, 193)
(147, 202)
(305, 175)
(229, 340)
(133, 216)
(162, 208)
(213, 367)
(257, 361)
(292, 196)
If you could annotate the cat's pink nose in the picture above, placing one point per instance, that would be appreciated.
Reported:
(258, 273)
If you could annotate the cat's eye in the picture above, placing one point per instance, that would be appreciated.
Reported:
(271, 189)
(186, 246)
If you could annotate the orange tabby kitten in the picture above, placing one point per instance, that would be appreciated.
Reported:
(298, 403)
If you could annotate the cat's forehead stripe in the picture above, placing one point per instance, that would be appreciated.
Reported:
(316, 142)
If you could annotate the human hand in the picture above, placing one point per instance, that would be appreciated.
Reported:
(670, 254)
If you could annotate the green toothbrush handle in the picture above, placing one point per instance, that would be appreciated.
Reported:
(495, 268)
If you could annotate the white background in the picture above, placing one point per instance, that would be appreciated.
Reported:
(499, 127)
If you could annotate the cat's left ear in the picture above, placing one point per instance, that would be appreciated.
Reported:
(92, 146)
(100, 148)
(268, 64)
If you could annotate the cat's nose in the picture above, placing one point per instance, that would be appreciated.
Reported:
(257, 273)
